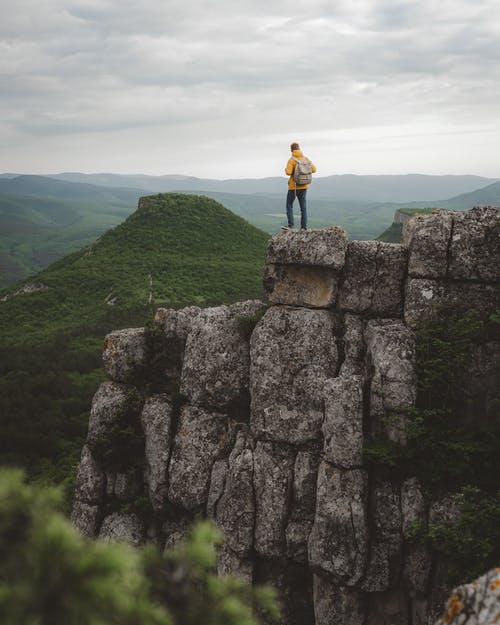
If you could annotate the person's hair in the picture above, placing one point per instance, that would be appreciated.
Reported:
(295, 146)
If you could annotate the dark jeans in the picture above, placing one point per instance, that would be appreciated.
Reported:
(300, 194)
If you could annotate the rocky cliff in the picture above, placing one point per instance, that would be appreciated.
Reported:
(257, 416)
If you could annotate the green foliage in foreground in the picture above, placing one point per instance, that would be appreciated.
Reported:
(51, 575)
(176, 250)
(442, 452)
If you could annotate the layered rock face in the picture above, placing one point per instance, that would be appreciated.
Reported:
(256, 417)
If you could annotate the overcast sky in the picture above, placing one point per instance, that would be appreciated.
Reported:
(220, 88)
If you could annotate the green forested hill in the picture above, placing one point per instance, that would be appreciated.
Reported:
(176, 249)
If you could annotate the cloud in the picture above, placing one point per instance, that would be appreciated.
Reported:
(238, 72)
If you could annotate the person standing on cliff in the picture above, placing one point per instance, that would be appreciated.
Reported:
(295, 188)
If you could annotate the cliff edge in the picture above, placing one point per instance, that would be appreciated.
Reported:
(257, 416)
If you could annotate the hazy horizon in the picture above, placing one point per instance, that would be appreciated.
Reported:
(187, 175)
(375, 87)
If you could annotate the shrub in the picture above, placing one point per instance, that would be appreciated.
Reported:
(50, 575)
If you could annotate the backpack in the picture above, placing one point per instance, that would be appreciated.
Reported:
(302, 174)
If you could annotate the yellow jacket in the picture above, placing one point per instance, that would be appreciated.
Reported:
(290, 168)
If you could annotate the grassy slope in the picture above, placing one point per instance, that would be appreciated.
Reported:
(50, 341)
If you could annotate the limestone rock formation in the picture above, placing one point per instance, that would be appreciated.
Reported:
(257, 417)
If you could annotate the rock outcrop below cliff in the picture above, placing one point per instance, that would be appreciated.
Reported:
(257, 416)
(477, 603)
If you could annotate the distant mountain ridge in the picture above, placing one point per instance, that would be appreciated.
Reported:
(486, 195)
(371, 188)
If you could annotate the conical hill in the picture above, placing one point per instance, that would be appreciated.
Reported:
(176, 249)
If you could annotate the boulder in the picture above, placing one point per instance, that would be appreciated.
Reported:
(338, 543)
(293, 353)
